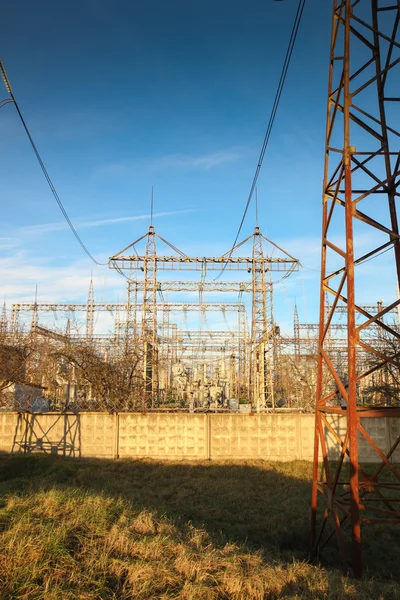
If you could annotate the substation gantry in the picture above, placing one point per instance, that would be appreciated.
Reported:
(142, 269)
(360, 193)
(173, 344)
(136, 320)
(123, 326)
(299, 343)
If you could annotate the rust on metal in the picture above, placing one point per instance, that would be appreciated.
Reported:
(360, 168)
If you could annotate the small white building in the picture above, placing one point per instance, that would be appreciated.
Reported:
(21, 397)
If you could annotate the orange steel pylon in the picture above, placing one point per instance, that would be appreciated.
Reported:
(360, 190)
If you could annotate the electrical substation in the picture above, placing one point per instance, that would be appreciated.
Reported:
(195, 334)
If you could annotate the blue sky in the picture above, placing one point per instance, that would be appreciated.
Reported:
(125, 95)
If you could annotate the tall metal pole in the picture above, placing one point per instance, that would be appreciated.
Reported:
(3, 319)
(360, 172)
(149, 320)
(296, 333)
(90, 312)
(262, 383)
(35, 316)
(258, 322)
(242, 378)
(131, 332)
(271, 343)
(166, 350)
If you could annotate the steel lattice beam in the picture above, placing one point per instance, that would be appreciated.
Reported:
(173, 263)
(196, 286)
(122, 307)
(129, 259)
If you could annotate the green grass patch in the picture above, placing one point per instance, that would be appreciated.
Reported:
(92, 529)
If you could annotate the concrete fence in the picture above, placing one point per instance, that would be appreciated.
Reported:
(177, 436)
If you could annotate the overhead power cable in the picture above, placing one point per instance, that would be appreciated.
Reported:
(42, 166)
(278, 94)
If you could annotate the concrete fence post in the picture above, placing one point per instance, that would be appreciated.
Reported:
(116, 436)
(208, 436)
(300, 436)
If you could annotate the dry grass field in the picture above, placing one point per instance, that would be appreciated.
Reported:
(91, 529)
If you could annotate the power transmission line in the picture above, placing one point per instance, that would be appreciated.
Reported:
(42, 166)
(278, 94)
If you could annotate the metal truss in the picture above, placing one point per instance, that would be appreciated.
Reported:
(202, 347)
(315, 326)
(124, 307)
(111, 307)
(149, 319)
(361, 186)
(261, 330)
(182, 262)
(196, 286)
(296, 332)
(379, 307)
(89, 312)
(186, 263)
(212, 335)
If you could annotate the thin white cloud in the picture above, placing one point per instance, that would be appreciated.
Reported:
(201, 162)
(7, 242)
(205, 161)
(62, 225)
(55, 283)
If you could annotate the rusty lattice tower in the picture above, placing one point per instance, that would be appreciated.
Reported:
(361, 186)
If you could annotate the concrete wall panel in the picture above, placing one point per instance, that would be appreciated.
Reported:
(98, 435)
(265, 436)
(163, 435)
(306, 423)
(8, 431)
(338, 427)
(394, 432)
(50, 433)
(378, 430)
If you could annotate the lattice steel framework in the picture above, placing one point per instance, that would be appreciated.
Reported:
(123, 306)
(263, 388)
(259, 263)
(362, 168)
(3, 319)
(131, 328)
(165, 350)
(174, 343)
(243, 349)
(296, 333)
(89, 312)
(35, 317)
(149, 318)
(182, 262)
(197, 286)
